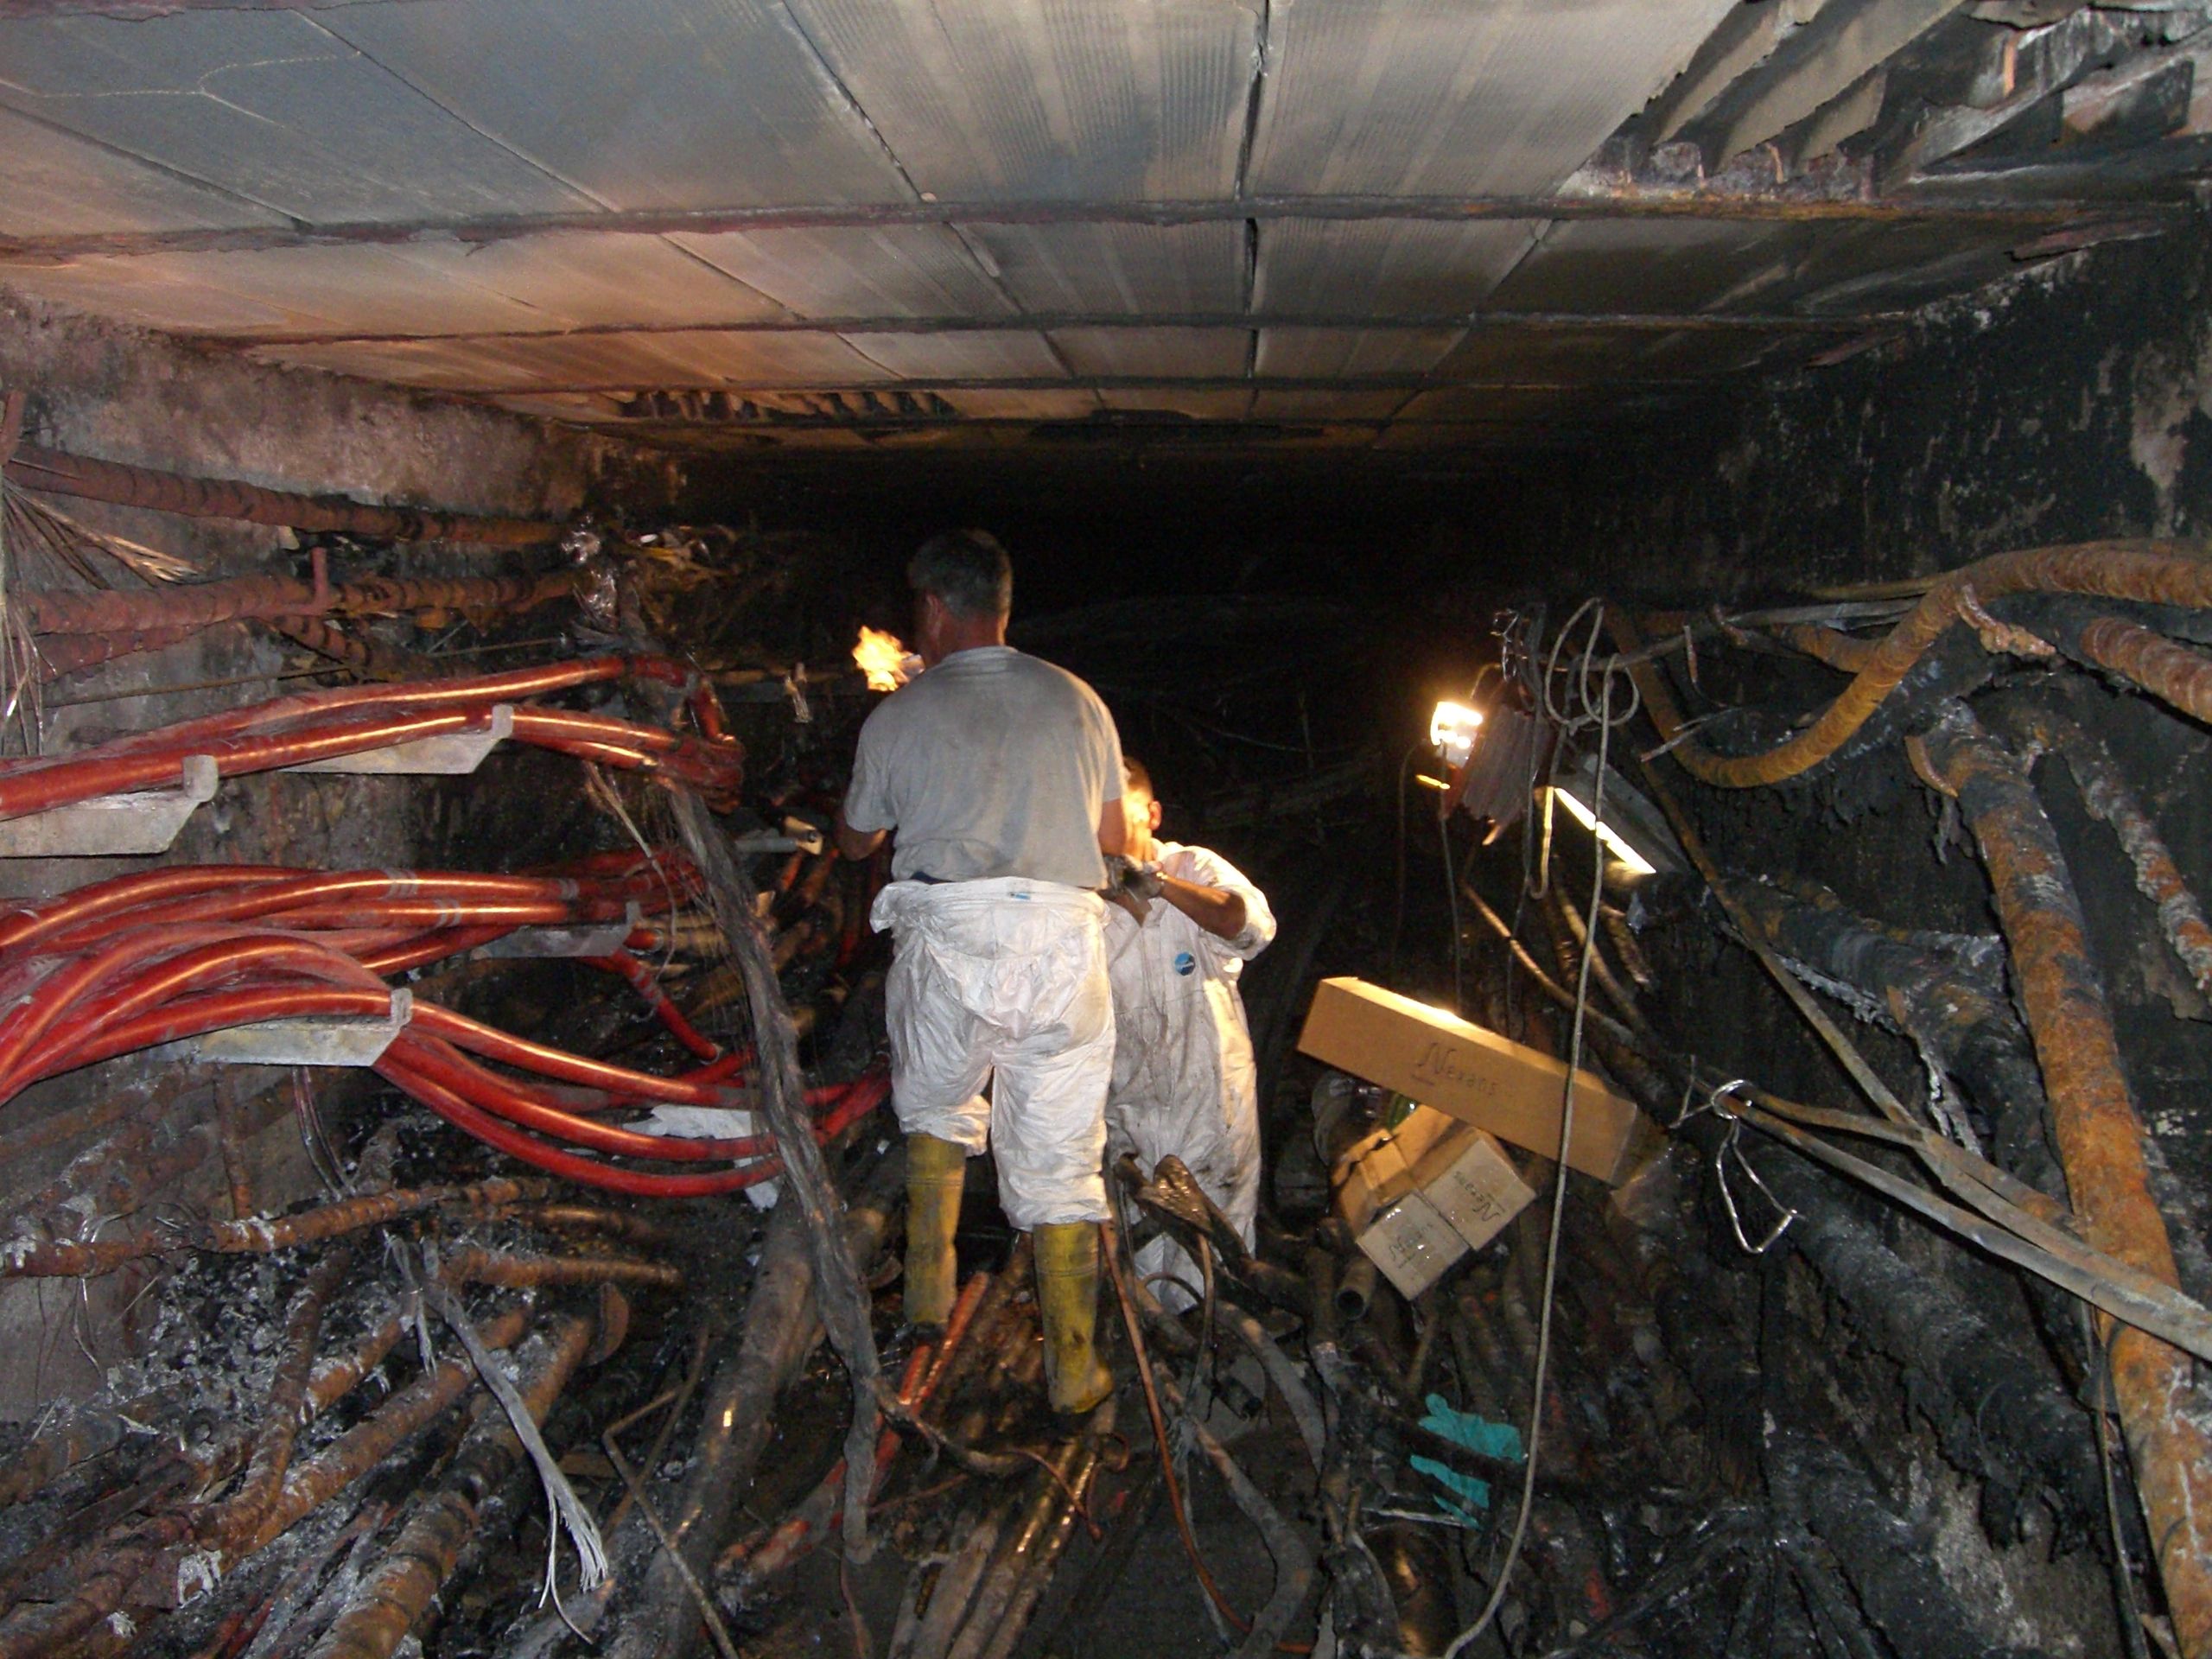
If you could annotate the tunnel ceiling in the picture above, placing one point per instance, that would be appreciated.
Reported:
(1041, 225)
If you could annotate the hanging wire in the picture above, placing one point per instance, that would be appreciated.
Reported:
(1575, 708)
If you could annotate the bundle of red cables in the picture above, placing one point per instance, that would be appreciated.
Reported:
(351, 720)
(147, 959)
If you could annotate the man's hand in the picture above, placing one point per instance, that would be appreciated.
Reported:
(857, 844)
(1132, 886)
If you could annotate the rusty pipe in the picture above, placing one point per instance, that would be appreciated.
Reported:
(284, 1411)
(2163, 1413)
(429, 1548)
(2172, 673)
(259, 1234)
(516, 1271)
(2106, 795)
(2155, 572)
(53, 472)
(369, 1441)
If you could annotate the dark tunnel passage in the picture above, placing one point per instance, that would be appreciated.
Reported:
(1547, 993)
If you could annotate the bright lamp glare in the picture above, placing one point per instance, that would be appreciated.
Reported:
(1607, 836)
(1452, 730)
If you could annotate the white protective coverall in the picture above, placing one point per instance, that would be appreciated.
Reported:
(1002, 982)
(1184, 1082)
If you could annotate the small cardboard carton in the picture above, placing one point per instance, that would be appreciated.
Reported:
(1475, 1075)
(1419, 1198)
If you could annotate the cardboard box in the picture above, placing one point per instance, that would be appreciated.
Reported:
(1475, 1075)
(1419, 1199)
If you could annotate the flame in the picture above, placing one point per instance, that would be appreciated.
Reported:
(883, 659)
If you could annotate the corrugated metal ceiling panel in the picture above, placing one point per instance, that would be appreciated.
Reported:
(271, 106)
(184, 303)
(1001, 354)
(1653, 265)
(60, 185)
(642, 102)
(917, 271)
(540, 283)
(1064, 99)
(1164, 352)
(1342, 352)
(1100, 269)
(1388, 267)
(1441, 98)
(593, 278)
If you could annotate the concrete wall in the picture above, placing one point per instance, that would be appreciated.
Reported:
(100, 390)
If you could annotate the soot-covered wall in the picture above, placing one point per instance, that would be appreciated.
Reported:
(2071, 402)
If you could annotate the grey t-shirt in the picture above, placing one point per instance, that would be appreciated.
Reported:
(991, 764)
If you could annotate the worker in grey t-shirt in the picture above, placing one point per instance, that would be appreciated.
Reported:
(1003, 776)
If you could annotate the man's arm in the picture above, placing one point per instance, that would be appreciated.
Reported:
(1113, 829)
(1217, 910)
(857, 844)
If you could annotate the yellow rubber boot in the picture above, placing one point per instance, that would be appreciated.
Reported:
(1067, 1305)
(935, 1171)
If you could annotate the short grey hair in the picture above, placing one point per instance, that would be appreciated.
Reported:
(966, 568)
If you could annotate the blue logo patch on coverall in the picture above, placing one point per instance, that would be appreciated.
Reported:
(1186, 964)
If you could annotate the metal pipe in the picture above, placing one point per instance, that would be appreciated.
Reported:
(2100, 1141)
(2156, 572)
(55, 473)
(369, 1441)
(2106, 795)
(514, 1271)
(2173, 673)
(423, 1556)
(284, 1410)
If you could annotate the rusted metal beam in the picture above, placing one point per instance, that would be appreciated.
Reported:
(1690, 203)
(56, 473)
(2100, 1142)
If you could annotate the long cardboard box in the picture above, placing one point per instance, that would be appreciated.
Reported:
(1475, 1075)
(1419, 1198)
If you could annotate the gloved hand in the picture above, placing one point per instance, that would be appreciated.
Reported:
(1132, 885)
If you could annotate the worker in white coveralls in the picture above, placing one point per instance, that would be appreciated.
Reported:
(1003, 776)
(1184, 1083)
